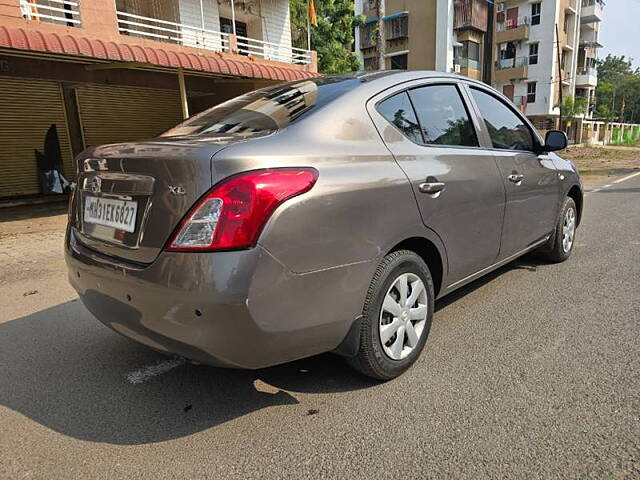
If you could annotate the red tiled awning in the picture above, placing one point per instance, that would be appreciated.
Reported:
(33, 40)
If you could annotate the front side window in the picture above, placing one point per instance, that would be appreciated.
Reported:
(535, 13)
(398, 111)
(442, 116)
(507, 130)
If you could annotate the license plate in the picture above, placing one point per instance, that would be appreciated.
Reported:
(119, 214)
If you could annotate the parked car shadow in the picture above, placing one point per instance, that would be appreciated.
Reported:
(64, 370)
(530, 262)
(32, 212)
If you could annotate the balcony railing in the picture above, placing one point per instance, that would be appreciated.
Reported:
(61, 12)
(593, 72)
(273, 51)
(163, 30)
(197, 37)
(512, 63)
(512, 23)
(467, 63)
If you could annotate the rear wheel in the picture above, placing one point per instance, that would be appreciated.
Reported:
(561, 243)
(396, 318)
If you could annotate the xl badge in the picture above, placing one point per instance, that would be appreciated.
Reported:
(177, 190)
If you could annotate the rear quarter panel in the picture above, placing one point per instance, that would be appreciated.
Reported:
(362, 204)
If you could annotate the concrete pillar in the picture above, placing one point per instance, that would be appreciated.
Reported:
(99, 17)
(184, 101)
(313, 66)
(233, 44)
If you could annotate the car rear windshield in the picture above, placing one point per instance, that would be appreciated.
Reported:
(265, 110)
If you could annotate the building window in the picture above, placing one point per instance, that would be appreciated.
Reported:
(367, 37)
(533, 53)
(531, 92)
(396, 28)
(370, 64)
(226, 26)
(399, 62)
(467, 55)
(535, 13)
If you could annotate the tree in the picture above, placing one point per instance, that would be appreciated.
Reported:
(381, 42)
(618, 90)
(332, 38)
(572, 107)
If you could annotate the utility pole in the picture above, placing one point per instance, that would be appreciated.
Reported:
(559, 76)
(381, 43)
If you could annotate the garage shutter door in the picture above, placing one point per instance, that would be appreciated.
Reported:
(27, 109)
(112, 114)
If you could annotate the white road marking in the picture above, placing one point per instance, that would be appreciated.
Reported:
(145, 373)
(620, 180)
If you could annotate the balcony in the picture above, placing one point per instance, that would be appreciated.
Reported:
(520, 102)
(512, 30)
(172, 34)
(591, 11)
(204, 38)
(468, 68)
(59, 12)
(587, 78)
(511, 69)
(590, 38)
(471, 14)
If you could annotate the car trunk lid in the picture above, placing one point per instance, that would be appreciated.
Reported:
(130, 197)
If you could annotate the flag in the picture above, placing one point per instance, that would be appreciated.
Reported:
(313, 18)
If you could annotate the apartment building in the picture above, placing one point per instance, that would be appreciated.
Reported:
(445, 35)
(545, 51)
(425, 49)
(76, 73)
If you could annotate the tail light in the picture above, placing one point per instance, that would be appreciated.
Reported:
(232, 214)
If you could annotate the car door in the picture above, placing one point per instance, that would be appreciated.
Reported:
(530, 178)
(428, 129)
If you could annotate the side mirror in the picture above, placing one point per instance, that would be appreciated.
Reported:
(555, 140)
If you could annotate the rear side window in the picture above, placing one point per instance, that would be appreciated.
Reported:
(442, 116)
(398, 111)
(507, 130)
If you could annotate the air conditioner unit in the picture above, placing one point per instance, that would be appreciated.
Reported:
(456, 68)
(499, 7)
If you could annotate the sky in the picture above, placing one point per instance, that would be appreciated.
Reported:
(618, 29)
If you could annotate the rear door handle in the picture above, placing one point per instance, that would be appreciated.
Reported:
(516, 177)
(431, 187)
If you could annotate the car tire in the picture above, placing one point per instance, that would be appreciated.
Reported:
(562, 240)
(386, 358)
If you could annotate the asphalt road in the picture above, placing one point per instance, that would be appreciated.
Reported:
(531, 372)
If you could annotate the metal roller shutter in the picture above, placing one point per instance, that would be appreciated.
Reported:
(27, 109)
(112, 114)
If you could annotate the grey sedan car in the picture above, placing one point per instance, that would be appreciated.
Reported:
(323, 215)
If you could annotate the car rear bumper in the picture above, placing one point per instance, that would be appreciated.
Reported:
(236, 309)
